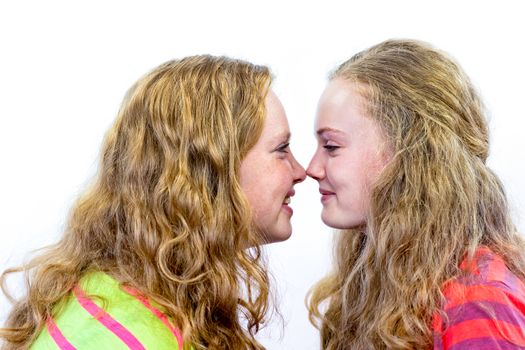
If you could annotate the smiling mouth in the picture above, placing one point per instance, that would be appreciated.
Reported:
(288, 197)
(325, 193)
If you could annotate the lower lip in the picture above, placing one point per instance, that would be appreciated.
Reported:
(326, 197)
(287, 209)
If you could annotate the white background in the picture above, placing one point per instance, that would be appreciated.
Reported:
(65, 66)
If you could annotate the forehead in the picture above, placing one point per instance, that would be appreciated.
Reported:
(340, 105)
(275, 123)
(274, 108)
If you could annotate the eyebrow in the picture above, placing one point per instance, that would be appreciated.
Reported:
(285, 135)
(324, 131)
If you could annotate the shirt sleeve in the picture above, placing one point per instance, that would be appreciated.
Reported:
(481, 317)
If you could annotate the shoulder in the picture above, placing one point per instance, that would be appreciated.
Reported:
(484, 308)
(100, 314)
(486, 278)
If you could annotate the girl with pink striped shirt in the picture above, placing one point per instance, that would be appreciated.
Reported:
(428, 256)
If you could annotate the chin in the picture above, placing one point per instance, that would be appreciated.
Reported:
(334, 224)
(279, 236)
(341, 223)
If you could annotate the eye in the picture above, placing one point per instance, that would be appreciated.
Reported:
(330, 148)
(284, 148)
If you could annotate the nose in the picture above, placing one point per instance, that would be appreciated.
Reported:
(315, 169)
(298, 172)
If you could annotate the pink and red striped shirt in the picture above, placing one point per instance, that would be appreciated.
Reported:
(485, 309)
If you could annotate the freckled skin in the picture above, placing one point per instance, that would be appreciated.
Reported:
(269, 172)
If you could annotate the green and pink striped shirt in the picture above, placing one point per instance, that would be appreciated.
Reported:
(101, 314)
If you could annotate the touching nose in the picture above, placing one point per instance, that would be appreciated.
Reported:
(299, 173)
(315, 170)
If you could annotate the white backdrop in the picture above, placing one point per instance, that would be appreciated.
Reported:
(65, 66)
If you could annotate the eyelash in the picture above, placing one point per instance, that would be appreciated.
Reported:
(330, 148)
(283, 148)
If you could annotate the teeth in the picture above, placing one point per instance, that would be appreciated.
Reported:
(287, 200)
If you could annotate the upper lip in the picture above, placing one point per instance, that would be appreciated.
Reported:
(290, 193)
(323, 191)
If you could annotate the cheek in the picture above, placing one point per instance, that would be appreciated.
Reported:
(275, 184)
(251, 187)
(352, 178)
(342, 172)
(369, 174)
(278, 182)
(268, 191)
(374, 170)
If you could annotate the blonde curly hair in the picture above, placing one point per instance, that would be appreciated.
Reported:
(434, 204)
(166, 214)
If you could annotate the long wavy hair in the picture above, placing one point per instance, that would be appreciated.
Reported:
(166, 214)
(433, 205)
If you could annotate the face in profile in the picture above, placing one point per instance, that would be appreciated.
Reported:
(269, 172)
(351, 153)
